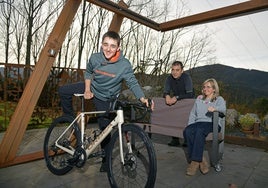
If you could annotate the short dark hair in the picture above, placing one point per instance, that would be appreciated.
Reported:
(176, 63)
(112, 34)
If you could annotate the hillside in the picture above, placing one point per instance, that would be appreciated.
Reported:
(243, 85)
(251, 79)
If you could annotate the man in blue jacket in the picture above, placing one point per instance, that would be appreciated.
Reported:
(104, 75)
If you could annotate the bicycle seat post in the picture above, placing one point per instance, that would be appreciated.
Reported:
(82, 103)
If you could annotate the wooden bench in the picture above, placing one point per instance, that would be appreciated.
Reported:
(171, 121)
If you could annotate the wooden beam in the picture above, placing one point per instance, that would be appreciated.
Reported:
(232, 11)
(24, 159)
(20, 119)
(121, 10)
(117, 19)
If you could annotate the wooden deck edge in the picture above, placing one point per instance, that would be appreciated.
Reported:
(247, 141)
(24, 159)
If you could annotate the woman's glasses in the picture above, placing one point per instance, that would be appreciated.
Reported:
(207, 87)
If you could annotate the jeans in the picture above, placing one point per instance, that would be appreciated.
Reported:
(195, 135)
(66, 93)
(103, 120)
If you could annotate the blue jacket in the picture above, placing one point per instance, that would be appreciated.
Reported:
(106, 77)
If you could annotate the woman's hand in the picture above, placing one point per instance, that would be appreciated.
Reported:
(211, 109)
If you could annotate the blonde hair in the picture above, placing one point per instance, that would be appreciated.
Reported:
(215, 86)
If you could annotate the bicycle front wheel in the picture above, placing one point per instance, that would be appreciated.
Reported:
(139, 168)
(57, 159)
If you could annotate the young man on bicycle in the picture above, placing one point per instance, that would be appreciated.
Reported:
(104, 75)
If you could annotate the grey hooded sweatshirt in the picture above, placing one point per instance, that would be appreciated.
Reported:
(106, 77)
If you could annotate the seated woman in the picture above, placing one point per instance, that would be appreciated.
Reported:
(200, 125)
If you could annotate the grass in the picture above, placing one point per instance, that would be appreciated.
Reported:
(6, 111)
(41, 118)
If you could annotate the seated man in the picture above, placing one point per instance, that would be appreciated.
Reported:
(178, 86)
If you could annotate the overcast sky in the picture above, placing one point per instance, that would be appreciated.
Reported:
(240, 42)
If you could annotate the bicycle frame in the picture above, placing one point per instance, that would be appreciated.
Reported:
(130, 159)
(118, 120)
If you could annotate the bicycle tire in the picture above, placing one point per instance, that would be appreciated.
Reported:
(56, 159)
(140, 166)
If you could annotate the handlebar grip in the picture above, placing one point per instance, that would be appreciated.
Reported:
(221, 115)
(150, 101)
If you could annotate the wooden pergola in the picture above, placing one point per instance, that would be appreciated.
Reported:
(23, 112)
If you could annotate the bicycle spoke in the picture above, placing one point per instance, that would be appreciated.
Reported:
(56, 159)
(139, 169)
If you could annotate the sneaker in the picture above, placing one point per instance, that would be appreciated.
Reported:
(174, 143)
(104, 167)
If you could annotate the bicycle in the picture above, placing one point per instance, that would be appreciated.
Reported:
(131, 156)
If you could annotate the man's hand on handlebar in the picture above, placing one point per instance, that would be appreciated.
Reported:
(88, 95)
(148, 102)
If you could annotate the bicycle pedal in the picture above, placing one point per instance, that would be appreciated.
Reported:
(97, 154)
(72, 161)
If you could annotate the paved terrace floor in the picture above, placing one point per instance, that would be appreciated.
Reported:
(244, 167)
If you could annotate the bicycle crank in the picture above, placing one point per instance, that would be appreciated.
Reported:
(79, 158)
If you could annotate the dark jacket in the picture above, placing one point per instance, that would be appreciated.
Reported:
(181, 88)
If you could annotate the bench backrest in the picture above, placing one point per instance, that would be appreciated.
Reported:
(171, 120)
(176, 115)
(165, 118)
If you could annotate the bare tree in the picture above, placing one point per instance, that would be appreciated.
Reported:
(19, 36)
(6, 30)
(32, 11)
(85, 20)
(6, 11)
(153, 52)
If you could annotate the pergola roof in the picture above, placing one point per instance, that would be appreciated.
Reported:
(231, 11)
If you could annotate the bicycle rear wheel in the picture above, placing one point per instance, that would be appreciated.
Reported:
(140, 165)
(57, 159)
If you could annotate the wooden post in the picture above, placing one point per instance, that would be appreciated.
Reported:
(117, 19)
(20, 119)
(256, 129)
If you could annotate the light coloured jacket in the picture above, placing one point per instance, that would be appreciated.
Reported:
(199, 112)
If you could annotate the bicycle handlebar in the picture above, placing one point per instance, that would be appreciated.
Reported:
(138, 110)
(134, 106)
(138, 105)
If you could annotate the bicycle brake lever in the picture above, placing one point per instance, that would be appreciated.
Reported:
(150, 101)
